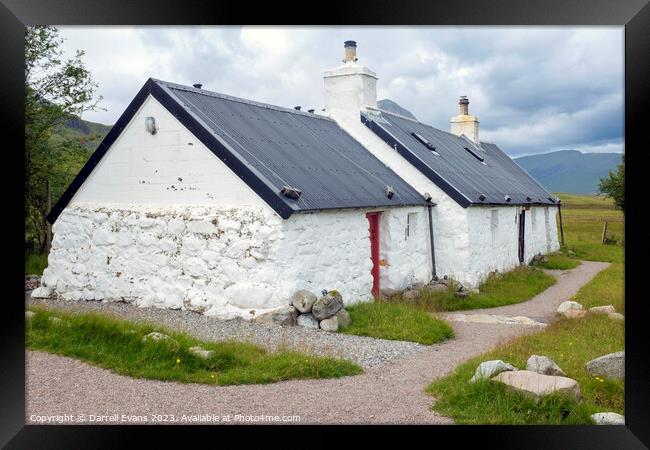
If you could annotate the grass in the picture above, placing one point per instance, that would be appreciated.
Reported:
(117, 345)
(516, 286)
(396, 322)
(35, 263)
(559, 261)
(570, 343)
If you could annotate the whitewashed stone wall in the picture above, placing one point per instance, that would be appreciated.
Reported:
(225, 262)
(494, 233)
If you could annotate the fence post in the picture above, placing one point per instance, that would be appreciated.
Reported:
(559, 210)
(604, 232)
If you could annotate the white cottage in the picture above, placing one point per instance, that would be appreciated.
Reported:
(201, 201)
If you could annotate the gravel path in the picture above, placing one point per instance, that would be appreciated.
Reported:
(390, 393)
(367, 352)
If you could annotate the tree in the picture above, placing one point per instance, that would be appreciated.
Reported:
(614, 185)
(56, 90)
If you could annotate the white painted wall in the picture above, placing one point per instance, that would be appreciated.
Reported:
(496, 248)
(171, 167)
(224, 261)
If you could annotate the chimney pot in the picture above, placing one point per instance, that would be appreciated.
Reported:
(350, 51)
(197, 85)
(464, 105)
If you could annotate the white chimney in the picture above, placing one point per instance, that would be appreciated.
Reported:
(349, 87)
(464, 123)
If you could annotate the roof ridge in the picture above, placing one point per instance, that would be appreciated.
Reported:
(232, 98)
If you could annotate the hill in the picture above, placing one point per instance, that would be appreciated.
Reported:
(391, 106)
(570, 170)
(89, 134)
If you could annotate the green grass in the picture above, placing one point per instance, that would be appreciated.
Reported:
(396, 322)
(35, 264)
(516, 286)
(607, 288)
(559, 261)
(117, 345)
(571, 344)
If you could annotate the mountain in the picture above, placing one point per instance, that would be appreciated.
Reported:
(89, 134)
(391, 106)
(570, 171)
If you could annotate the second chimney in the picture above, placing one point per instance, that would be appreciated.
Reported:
(464, 124)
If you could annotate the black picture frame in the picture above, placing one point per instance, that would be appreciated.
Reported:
(633, 14)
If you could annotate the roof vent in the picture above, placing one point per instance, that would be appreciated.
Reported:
(551, 199)
(481, 197)
(528, 199)
(474, 154)
(291, 192)
(297, 108)
(422, 140)
(507, 198)
(390, 191)
(197, 85)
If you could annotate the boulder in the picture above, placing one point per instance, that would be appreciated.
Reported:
(461, 294)
(488, 369)
(303, 301)
(331, 324)
(343, 317)
(538, 385)
(610, 366)
(58, 321)
(29, 314)
(544, 365)
(388, 292)
(608, 418)
(157, 337)
(410, 294)
(328, 305)
(284, 315)
(616, 316)
(574, 313)
(201, 352)
(307, 321)
(42, 292)
(439, 287)
(609, 309)
(566, 306)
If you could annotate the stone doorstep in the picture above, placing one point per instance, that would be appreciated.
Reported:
(538, 385)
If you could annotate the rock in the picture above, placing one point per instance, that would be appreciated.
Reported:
(609, 309)
(344, 318)
(539, 385)
(565, 306)
(410, 294)
(157, 337)
(307, 321)
(544, 365)
(29, 314)
(42, 292)
(608, 418)
(461, 294)
(58, 321)
(616, 316)
(284, 315)
(331, 324)
(201, 352)
(608, 366)
(326, 306)
(488, 369)
(439, 287)
(574, 313)
(303, 301)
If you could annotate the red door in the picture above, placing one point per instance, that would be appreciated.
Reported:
(373, 222)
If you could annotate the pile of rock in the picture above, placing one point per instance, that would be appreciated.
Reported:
(326, 313)
(414, 291)
(574, 310)
(32, 282)
(538, 259)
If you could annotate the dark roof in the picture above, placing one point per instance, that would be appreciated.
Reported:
(270, 147)
(466, 172)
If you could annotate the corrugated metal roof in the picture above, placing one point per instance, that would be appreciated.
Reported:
(455, 165)
(286, 147)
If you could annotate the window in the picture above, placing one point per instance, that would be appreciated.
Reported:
(494, 224)
(411, 225)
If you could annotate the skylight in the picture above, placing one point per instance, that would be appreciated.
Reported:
(425, 142)
(474, 154)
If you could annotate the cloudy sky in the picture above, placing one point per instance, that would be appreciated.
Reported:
(534, 89)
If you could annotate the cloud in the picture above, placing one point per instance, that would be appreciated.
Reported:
(535, 89)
